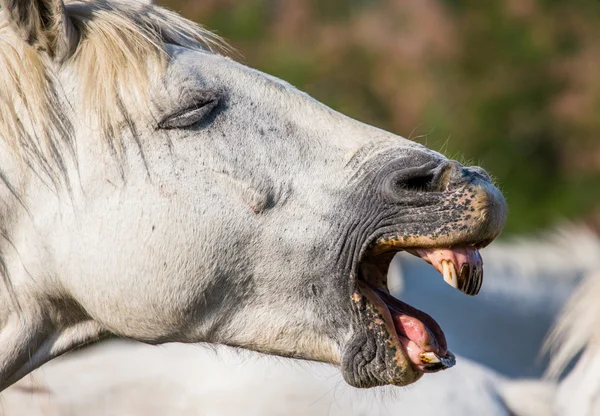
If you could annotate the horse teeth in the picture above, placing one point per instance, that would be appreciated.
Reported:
(468, 281)
(449, 273)
(472, 278)
(435, 362)
(429, 358)
(462, 268)
(465, 280)
(479, 279)
(449, 360)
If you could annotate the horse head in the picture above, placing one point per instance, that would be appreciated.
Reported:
(158, 190)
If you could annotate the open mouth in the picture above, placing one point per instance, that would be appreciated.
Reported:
(411, 332)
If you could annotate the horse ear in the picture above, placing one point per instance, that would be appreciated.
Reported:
(43, 24)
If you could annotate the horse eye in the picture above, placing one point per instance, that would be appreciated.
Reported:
(190, 115)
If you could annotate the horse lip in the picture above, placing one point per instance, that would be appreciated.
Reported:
(396, 243)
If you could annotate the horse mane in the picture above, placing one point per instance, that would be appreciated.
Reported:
(568, 255)
(578, 327)
(121, 46)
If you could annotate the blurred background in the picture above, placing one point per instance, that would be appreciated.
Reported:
(511, 85)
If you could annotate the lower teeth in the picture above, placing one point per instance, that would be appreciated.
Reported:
(434, 361)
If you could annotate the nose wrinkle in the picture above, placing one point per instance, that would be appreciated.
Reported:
(446, 174)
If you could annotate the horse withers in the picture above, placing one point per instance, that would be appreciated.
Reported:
(154, 189)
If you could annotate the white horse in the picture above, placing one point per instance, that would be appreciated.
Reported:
(118, 378)
(578, 331)
(153, 189)
(163, 380)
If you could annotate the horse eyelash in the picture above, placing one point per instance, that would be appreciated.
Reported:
(189, 116)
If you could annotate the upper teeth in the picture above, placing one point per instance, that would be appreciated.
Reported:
(468, 281)
(449, 273)
(462, 267)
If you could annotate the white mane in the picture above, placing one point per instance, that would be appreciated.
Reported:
(121, 44)
(569, 254)
(578, 328)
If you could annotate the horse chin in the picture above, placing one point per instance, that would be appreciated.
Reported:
(395, 343)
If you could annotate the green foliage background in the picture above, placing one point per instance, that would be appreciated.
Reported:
(513, 85)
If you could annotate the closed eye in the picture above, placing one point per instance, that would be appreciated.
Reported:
(197, 112)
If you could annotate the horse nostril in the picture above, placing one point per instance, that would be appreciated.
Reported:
(431, 177)
(419, 183)
(445, 173)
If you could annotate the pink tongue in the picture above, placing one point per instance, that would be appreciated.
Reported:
(462, 267)
(418, 332)
(417, 339)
